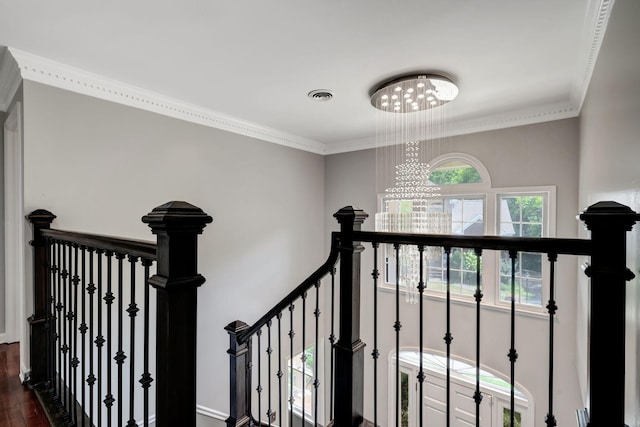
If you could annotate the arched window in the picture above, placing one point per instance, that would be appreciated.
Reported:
(459, 169)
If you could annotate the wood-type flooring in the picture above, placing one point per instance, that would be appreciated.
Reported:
(19, 406)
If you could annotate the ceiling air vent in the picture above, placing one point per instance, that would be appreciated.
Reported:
(320, 95)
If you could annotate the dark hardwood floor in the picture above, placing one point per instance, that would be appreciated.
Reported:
(19, 406)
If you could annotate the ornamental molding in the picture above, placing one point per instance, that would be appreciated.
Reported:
(594, 30)
(45, 71)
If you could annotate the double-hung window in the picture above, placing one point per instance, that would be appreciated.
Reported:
(522, 215)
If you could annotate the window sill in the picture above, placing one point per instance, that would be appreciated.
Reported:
(540, 313)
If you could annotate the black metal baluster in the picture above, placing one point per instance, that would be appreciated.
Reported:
(477, 395)
(83, 332)
(91, 379)
(513, 355)
(51, 366)
(60, 330)
(303, 358)
(133, 312)
(65, 331)
(120, 356)
(291, 335)
(108, 298)
(74, 338)
(316, 362)
(397, 326)
(448, 338)
(57, 330)
(269, 352)
(49, 316)
(259, 386)
(332, 341)
(421, 375)
(550, 420)
(99, 339)
(375, 354)
(146, 379)
(280, 373)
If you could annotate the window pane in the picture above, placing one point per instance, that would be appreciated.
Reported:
(531, 208)
(531, 265)
(454, 172)
(532, 230)
(456, 277)
(522, 216)
(513, 209)
(474, 228)
(456, 259)
(506, 417)
(531, 292)
(299, 384)
(404, 399)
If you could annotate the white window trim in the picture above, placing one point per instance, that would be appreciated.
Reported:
(548, 230)
(491, 227)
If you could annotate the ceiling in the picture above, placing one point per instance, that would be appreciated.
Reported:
(247, 66)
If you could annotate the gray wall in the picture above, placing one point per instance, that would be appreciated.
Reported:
(541, 154)
(609, 156)
(3, 117)
(100, 166)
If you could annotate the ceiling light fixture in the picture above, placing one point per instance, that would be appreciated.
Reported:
(439, 88)
(408, 137)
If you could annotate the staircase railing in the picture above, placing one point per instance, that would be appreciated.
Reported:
(262, 368)
(92, 362)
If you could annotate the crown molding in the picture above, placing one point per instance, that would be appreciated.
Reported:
(10, 80)
(593, 34)
(529, 116)
(45, 71)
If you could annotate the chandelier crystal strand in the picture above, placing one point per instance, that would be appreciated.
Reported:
(409, 130)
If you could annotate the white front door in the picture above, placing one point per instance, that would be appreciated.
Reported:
(463, 407)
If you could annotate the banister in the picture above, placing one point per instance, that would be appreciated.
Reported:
(139, 248)
(64, 289)
(558, 246)
(325, 268)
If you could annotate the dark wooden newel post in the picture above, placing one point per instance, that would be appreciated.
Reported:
(39, 321)
(177, 225)
(609, 223)
(349, 350)
(239, 376)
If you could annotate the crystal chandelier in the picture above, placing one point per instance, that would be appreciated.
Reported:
(408, 120)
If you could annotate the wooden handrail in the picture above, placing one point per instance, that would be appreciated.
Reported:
(138, 248)
(547, 245)
(323, 270)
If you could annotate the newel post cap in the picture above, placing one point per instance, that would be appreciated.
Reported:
(236, 327)
(177, 216)
(351, 214)
(40, 217)
(609, 214)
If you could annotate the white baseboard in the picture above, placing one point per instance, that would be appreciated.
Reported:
(3, 338)
(24, 374)
(212, 413)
